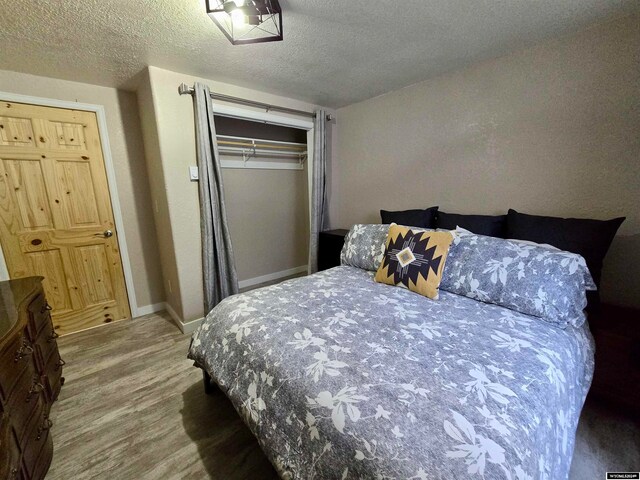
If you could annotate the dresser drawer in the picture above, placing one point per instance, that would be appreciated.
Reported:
(14, 359)
(38, 447)
(24, 400)
(53, 375)
(9, 451)
(39, 412)
(38, 309)
(44, 459)
(46, 342)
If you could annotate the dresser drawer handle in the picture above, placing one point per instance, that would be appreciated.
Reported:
(61, 363)
(46, 425)
(35, 388)
(52, 337)
(23, 351)
(45, 307)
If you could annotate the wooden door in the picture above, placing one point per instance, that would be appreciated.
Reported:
(55, 213)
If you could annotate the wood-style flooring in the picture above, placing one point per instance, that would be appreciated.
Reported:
(133, 407)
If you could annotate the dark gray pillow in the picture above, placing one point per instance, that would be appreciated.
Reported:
(489, 225)
(586, 237)
(411, 218)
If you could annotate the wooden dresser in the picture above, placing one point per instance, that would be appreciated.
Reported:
(30, 379)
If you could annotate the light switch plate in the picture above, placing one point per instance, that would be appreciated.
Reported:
(193, 174)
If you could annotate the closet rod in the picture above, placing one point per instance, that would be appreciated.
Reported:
(251, 142)
(232, 143)
(185, 89)
(259, 152)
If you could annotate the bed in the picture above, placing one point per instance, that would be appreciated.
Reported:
(340, 377)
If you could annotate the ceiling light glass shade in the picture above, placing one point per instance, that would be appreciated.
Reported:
(247, 21)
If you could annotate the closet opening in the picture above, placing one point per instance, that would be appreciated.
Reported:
(265, 178)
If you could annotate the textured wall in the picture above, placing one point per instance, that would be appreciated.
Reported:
(551, 130)
(266, 210)
(123, 125)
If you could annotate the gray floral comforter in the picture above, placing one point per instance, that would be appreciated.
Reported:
(340, 377)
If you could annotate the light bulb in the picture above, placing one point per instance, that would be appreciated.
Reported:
(238, 18)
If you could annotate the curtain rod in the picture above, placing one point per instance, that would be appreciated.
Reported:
(185, 89)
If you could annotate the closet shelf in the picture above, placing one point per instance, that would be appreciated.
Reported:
(242, 152)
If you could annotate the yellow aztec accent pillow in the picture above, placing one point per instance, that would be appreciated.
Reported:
(414, 259)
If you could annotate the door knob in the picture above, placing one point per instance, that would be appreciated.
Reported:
(105, 234)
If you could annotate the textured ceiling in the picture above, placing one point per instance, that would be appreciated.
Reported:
(334, 53)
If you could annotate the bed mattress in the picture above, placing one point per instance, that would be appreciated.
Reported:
(341, 377)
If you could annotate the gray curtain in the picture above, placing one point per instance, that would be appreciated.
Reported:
(318, 186)
(218, 264)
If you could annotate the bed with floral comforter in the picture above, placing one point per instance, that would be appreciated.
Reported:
(340, 377)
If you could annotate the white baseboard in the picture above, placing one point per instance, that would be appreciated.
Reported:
(250, 282)
(185, 327)
(147, 309)
(174, 316)
(189, 327)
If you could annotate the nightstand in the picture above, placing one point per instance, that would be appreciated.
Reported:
(616, 331)
(330, 244)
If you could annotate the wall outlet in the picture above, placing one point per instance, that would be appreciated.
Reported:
(193, 174)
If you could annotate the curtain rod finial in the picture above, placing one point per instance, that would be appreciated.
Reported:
(184, 89)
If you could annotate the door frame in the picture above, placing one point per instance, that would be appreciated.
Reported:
(101, 118)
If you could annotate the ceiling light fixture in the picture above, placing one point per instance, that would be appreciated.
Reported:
(247, 21)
